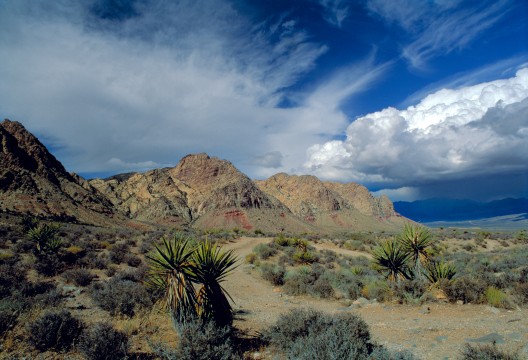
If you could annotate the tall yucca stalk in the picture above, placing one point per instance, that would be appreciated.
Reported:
(172, 270)
(212, 265)
(391, 259)
(415, 240)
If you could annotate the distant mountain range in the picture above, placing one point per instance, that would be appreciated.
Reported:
(199, 192)
(432, 210)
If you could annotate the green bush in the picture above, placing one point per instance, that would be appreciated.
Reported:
(54, 330)
(102, 342)
(496, 298)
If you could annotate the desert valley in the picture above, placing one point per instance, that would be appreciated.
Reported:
(301, 266)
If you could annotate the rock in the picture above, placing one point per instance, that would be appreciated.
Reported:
(493, 310)
(361, 302)
(459, 302)
(425, 310)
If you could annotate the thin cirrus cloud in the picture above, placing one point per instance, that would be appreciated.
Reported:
(438, 27)
(335, 11)
(452, 134)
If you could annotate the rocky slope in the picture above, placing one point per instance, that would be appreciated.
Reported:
(33, 181)
(200, 191)
(331, 206)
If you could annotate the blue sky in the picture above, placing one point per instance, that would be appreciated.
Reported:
(414, 99)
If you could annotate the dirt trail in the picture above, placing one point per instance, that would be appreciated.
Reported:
(434, 331)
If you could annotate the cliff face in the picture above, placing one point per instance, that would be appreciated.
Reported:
(33, 181)
(200, 191)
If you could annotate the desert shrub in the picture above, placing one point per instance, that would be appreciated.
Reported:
(73, 253)
(133, 260)
(120, 297)
(410, 291)
(204, 341)
(118, 252)
(264, 251)
(297, 282)
(273, 273)
(111, 271)
(98, 262)
(305, 257)
(309, 334)
(466, 289)
(251, 258)
(54, 330)
(49, 265)
(377, 289)
(79, 277)
(8, 319)
(102, 342)
(487, 352)
(10, 278)
(521, 291)
(497, 298)
(322, 288)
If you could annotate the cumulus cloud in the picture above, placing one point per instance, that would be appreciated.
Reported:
(438, 27)
(452, 134)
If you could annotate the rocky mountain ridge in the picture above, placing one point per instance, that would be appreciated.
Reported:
(200, 191)
(33, 181)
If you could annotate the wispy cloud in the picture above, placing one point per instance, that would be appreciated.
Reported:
(335, 11)
(169, 79)
(441, 27)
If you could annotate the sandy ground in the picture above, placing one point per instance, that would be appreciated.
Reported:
(433, 331)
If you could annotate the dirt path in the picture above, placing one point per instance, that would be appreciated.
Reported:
(434, 331)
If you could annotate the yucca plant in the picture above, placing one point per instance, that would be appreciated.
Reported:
(45, 238)
(172, 271)
(415, 240)
(391, 259)
(212, 265)
(436, 271)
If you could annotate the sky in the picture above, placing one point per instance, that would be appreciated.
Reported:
(412, 98)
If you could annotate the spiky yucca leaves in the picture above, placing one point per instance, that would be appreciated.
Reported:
(45, 238)
(212, 265)
(439, 270)
(391, 259)
(415, 240)
(172, 270)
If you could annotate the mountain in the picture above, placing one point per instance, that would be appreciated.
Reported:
(459, 210)
(200, 191)
(331, 206)
(33, 181)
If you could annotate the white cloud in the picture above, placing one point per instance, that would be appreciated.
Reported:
(451, 134)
